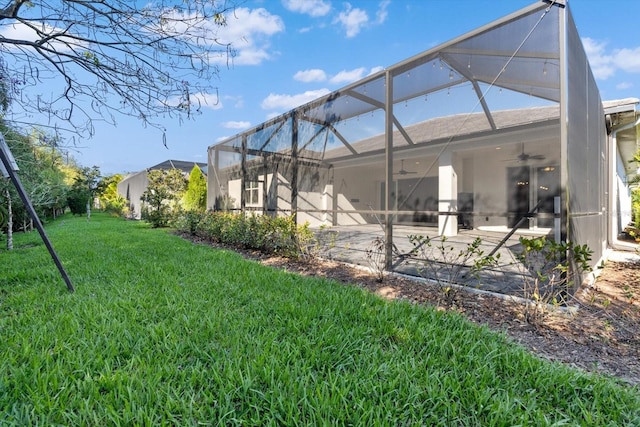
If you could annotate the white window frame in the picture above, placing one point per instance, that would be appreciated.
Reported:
(252, 193)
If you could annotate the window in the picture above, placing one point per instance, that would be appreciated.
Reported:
(251, 193)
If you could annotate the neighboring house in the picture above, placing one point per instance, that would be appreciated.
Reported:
(133, 185)
(502, 127)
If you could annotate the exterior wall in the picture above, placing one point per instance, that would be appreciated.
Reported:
(357, 189)
(622, 214)
(489, 191)
(131, 188)
(133, 185)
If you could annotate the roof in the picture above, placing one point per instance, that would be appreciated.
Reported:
(620, 105)
(184, 166)
(623, 121)
(459, 125)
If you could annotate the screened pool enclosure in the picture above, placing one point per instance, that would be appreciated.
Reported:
(500, 130)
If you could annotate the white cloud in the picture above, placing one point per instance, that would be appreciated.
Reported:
(249, 32)
(313, 8)
(250, 56)
(236, 125)
(350, 76)
(288, 102)
(19, 31)
(206, 100)
(605, 64)
(624, 85)
(238, 101)
(381, 14)
(314, 75)
(627, 60)
(352, 19)
(601, 63)
(199, 100)
(375, 70)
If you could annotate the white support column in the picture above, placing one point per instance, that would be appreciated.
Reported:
(327, 204)
(447, 196)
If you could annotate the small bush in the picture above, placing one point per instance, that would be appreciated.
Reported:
(445, 266)
(555, 269)
(277, 235)
(77, 201)
(157, 217)
(188, 222)
(375, 255)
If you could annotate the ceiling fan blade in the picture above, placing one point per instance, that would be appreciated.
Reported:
(403, 171)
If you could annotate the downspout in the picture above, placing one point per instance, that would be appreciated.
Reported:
(615, 243)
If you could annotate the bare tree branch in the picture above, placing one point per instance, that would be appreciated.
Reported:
(98, 59)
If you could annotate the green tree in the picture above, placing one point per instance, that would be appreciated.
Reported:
(40, 165)
(108, 197)
(83, 190)
(195, 199)
(162, 197)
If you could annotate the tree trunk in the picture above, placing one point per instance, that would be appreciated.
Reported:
(88, 209)
(9, 222)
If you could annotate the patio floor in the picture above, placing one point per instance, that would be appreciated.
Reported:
(356, 244)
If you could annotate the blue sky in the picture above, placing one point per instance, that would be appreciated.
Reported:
(292, 51)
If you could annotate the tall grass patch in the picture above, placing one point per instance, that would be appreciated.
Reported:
(162, 331)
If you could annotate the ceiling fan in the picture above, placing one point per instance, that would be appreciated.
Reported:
(403, 171)
(523, 157)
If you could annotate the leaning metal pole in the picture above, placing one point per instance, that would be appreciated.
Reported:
(10, 168)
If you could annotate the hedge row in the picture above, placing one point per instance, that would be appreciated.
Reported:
(274, 235)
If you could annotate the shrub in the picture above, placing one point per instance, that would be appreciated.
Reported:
(277, 235)
(188, 222)
(77, 200)
(375, 256)
(553, 269)
(445, 266)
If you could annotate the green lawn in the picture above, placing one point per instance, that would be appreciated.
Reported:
(162, 331)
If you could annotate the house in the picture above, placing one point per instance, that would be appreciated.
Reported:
(500, 129)
(133, 185)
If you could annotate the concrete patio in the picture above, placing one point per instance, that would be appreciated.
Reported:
(361, 245)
